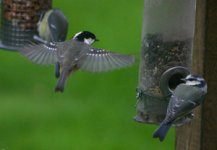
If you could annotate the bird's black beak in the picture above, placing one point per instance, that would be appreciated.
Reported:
(97, 40)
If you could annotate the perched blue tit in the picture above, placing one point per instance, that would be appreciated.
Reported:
(76, 54)
(184, 99)
(52, 27)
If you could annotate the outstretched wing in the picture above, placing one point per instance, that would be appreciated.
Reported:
(100, 60)
(40, 53)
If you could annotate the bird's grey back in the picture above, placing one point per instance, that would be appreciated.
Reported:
(184, 99)
(185, 92)
(72, 50)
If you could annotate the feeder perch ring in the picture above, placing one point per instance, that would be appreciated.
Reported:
(171, 78)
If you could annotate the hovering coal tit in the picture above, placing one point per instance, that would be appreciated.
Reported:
(76, 54)
(184, 99)
(52, 27)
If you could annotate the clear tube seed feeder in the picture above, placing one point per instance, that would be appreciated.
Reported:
(167, 42)
(19, 20)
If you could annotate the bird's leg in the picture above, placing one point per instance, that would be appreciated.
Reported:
(57, 70)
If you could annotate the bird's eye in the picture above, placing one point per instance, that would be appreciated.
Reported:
(191, 79)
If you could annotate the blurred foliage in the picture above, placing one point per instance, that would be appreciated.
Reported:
(96, 110)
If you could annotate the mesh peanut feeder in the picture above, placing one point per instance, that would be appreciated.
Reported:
(19, 21)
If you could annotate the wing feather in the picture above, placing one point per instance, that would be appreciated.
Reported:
(100, 60)
(40, 53)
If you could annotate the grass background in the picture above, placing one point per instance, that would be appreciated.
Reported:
(95, 112)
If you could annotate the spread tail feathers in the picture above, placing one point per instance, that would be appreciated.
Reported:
(161, 132)
(61, 82)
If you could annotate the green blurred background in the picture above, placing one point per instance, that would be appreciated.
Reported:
(96, 110)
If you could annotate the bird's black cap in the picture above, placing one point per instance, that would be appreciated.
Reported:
(84, 35)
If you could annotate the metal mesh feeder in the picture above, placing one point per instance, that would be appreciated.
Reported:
(19, 21)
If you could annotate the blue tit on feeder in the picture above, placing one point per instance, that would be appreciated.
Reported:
(184, 99)
(52, 27)
(76, 54)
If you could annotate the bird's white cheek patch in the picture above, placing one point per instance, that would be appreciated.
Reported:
(88, 41)
(192, 82)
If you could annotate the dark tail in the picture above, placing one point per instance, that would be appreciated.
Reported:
(161, 132)
(62, 79)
